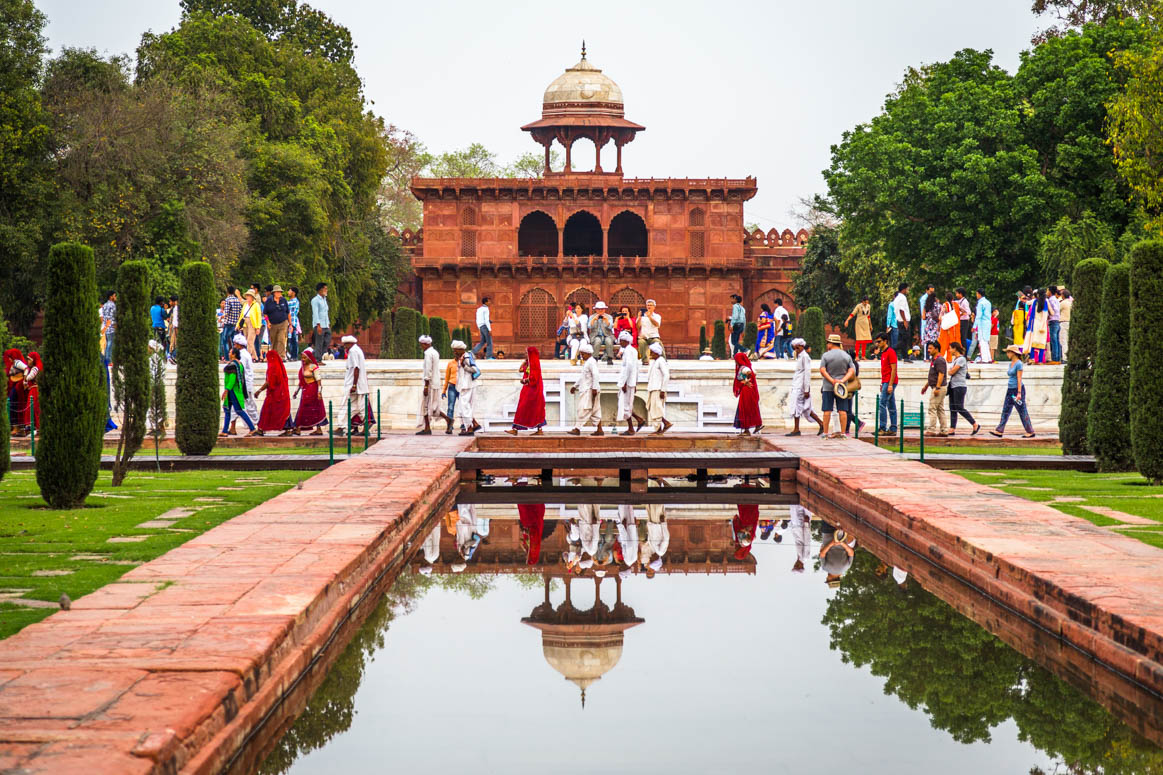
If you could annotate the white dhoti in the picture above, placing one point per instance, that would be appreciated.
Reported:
(801, 405)
(626, 402)
(464, 406)
(431, 546)
(357, 406)
(655, 407)
(430, 405)
(251, 407)
(588, 409)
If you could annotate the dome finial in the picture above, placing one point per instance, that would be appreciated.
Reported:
(583, 699)
(583, 48)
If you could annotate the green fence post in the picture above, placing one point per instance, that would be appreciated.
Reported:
(876, 428)
(856, 411)
(902, 425)
(32, 426)
(347, 428)
(921, 414)
(367, 413)
(379, 420)
(330, 436)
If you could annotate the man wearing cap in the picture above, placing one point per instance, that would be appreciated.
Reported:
(836, 367)
(278, 313)
(467, 373)
(628, 384)
(430, 393)
(601, 331)
(649, 325)
(355, 385)
(587, 389)
(657, 382)
(800, 396)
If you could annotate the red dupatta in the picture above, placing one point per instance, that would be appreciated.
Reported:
(302, 367)
(276, 408)
(531, 403)
(747, 412)
(532, 519)
(744, 526)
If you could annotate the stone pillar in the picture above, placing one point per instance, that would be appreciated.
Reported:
(618, 145)
(568, 148)
(605, 242)
(599, 141)
(547, 150)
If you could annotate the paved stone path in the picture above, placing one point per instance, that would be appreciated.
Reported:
(165, 669)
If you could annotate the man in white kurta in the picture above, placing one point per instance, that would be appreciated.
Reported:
(467, 373)
(657, 382)
(355, 387)
(470, 529)
(799, 398)
(627, 537)
(628, 384)
(430, 390)
(431, 549)
(657, 537)
(588, 522)
(587, 392)
(801, 530)
(248, 376)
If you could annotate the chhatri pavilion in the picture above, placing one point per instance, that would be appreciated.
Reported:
(587, 234)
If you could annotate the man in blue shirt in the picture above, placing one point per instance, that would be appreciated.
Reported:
(295, 330)
(738, 323)
(157, 320)
(320, 320)
(982, 328)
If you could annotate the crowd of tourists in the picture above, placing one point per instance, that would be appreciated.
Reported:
(268, 321)
(602, 330)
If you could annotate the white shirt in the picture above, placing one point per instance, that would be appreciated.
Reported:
(174, 316)
(464, 380)
(801, 381)
(355, 360)
(900, 306)
(658, 376)
(431, 367)
(629, 373)
(247, 369)
(483, 317)
(648, 325)
(779, 314)
(587, 379)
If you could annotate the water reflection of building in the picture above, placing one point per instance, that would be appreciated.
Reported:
(582, 645)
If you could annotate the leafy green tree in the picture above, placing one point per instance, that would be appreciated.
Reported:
(131, 373)
(1108, 432)
(1069, 242)
(27, 200)
(286, 21)
(1078, 374)
(1076, 13)
(73, 413)
(1136, 123)
(811, 328)
(196, 393)
(821, 281)
(719, 340)
(1146, 322)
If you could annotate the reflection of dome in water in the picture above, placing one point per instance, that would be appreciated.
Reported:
(582, 659)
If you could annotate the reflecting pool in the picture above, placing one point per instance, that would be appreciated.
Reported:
(684, 638)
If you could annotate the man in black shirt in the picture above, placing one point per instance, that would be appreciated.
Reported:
(278, 314)
(938, 376)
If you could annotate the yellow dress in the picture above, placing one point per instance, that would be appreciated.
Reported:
(1019, 321)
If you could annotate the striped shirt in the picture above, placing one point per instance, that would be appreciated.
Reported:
(232, 311)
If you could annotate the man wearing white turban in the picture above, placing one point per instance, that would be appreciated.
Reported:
(247, 362)
(799, 398)
(430, 392)
(628, 384)
(657, 382)
(467, 373)
(355, 386)
(587, 391)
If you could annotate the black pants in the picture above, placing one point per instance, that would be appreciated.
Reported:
(737, 337)
(966, 330)
(957, 406)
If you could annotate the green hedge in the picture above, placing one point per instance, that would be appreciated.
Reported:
(405, 332)
(719, 340)
(441, 338)
(1146, 322)
(1078, 373)
(388, 319)
(1108, 430)
(750, 335)
(131, 352)
(423, 327)
(73, 411)
(196, 393)
(703, 344)
(811, 328)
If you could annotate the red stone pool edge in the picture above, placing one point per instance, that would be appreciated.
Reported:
(170, 668)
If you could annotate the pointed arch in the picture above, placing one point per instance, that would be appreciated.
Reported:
(627, 297)
(627, 235)
(582, 235)
(537, 235)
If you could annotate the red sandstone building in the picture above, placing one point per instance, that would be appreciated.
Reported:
(533, 245)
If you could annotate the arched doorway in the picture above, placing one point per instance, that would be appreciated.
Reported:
(582, 296)
(536, 316)
(627, 235)
(627, 297)
(537, 235)
(582, 235)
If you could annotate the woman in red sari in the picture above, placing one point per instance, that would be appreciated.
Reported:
(31, 391)
(747, 414)
(276, 409)
(531, 404)
(743, 527)
(312, 413)
(14, 368)
(532, 519)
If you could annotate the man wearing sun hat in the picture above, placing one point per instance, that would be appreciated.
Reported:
(278, 313)
(355, 387)
(836, 366)
(601, 331)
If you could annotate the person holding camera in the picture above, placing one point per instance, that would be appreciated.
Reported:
(601, 332)
(649, 323)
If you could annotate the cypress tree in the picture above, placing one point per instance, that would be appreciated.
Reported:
(131, 373)
(750, 335)
(5, 431)
(157, 401)
(703, 344)
(1078, 373)
(811, 325)
(441, 338)
(196, 391)
(1108, 431)
(1146, 321)
(72, 416)
(404, 333)
(719, 340)
(386, 334)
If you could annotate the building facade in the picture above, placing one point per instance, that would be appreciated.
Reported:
(534, 245)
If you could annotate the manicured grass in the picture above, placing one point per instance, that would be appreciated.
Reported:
(340, 446)
(44, 552)
(1126, 493)
(983, 450)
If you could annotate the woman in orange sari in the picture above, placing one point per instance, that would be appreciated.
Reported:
(951, 333)
(531, 404)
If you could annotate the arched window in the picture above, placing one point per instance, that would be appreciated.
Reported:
(582, 296)
(627, 297)
(627, 235)
(536, 316)
(537, 235)
(468, 243)
(698, 244)
(582, 235)
(468, 217)
(697, 217)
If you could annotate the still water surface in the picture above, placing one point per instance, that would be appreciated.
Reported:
(720, 661)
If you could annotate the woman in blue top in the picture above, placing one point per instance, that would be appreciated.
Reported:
(1015, 395)
(766, 338)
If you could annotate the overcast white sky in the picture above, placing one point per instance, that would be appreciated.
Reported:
(724, 88)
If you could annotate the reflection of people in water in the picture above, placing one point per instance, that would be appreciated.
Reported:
(836, 552)
(627, 539)
(532, 519)
(470, 530)
(653, 549)
(431, 550)
(744, 525)
(801, 531)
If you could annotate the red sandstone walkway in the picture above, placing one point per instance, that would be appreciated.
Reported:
(1095, 589)
(143, 674)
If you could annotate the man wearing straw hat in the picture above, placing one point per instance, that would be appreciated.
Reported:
(278, 313)
(466, 377)
(587, 389)
(355, 386)
(430, 392)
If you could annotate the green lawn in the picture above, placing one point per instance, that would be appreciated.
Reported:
(340, 447)
(1071, 491)
(46, 552)
(933, 449)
